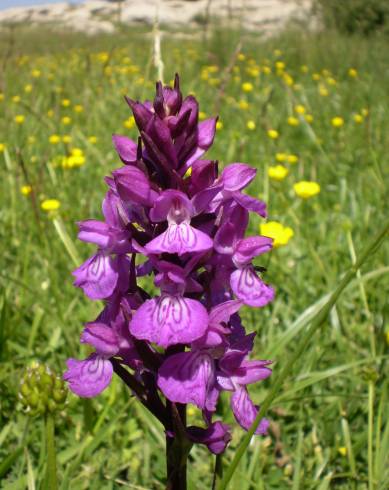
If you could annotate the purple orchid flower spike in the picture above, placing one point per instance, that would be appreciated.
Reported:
(186, 230)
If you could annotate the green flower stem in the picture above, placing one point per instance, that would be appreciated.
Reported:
(316, 323)
(51, 463)
(370, 468)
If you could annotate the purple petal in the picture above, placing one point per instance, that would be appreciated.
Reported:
(102, 338)
(237, 176)
(169, 320)
(93, 231)
(126, 148)
(187, 377)
(221, 313)
(141, 112)
(251, 204)
(225, 239)
(245, 411)
(253, 371)
(206, 133)
(171, 204)
(249, 288)
(89, 377)
(215, 437)
(250, 247)
(133, 185)
(97, 276)
(180, 239)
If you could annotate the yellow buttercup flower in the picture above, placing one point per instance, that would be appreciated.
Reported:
(342, 451)
(266, 70)
(352, 72)
(26, 190)
(66, 138)
(16, 99)
(358, 118)
(1, 97)
(316, 76)
(331, 81)
(273, 134)
(293, 159)
(337, 122)
(19, 119)
(243, 104)
(50, 205)
(219, 125)
(300, 109)
(308, 118)
(65, 102)
(28, 88)
(202, 116)
(365, 112)
(251, 125)
(129, 123)
(78, 108)
(247, 87)
(36, 73)
(273, 229)
(323, 91)
(66, 120)
(306, 189)
(280, 65)
(54, 139)
(2, 147)
(293, 121)
(281, 157)
(241, 57)
(92, 139)
(277, 172)
(304, 69)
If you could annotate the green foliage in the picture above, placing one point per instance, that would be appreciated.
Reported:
(319, 422)
(355, 16)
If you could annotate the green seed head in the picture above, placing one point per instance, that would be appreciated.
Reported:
(41, 390)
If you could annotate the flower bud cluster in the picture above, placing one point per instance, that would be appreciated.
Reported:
(42, 391)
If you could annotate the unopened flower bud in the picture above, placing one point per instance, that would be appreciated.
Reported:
(41, 390)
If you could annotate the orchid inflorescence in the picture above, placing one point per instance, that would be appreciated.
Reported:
(169, 214)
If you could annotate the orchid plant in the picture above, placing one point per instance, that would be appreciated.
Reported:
(171, 215)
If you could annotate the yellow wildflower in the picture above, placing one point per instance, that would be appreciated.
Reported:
(277, 172)
(337, 122)
(129, 123)
(219, 125)
(306, 189)
(365, 112)
(280, 65)
(66, 120)
(315, 76)
(266, 70)
(304, 69)
(308, 118)
(92, 139)
(65, 102)
(277, 53)
(342, 451)
(78, 108)
(31, 140)
(2, 147)
(251, 125)
(1, 97)
(28, 88)
(50, 113)
(54, 139)
(19, 119)
(331, 81)
(50, 205)
(323, 91)
(243, 104)
(281, 234)
(66, 138)
(352, 72)
(26, 190)
(16, 99)
(241, 57)
(292, 159)
(202, 116)
(358, 118)
(300, 109)
(293, 121)
(281, 157)
(247, 87)
(273, 134)
(36, 73)
(288, 79)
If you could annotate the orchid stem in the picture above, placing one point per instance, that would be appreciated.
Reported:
(51, 463)
(316, 323)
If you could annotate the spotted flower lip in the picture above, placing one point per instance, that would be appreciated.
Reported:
(170, 215)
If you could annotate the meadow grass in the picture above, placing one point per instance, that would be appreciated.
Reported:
(329, 424)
